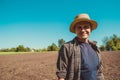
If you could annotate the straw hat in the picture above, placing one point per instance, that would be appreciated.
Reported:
(82, 17)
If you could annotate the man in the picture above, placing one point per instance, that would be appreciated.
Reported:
(79, 59)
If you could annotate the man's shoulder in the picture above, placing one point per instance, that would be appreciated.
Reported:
(94, 46)
(71, 42)
(93, 43)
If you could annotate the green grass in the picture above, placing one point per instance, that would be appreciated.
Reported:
(7, 53)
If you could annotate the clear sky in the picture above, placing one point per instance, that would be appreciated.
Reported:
(39, 23)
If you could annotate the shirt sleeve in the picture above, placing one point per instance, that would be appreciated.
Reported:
(62, 63)
(100, 75)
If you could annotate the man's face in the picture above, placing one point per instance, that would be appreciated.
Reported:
(83, 29)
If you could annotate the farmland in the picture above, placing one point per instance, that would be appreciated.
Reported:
(41, 66)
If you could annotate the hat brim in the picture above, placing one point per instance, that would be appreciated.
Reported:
(93, 23)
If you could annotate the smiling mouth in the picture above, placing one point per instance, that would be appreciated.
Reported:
(83, 33)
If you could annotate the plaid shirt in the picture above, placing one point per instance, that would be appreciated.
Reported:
(69, 61)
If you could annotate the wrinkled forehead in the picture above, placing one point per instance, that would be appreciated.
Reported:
(83, 23)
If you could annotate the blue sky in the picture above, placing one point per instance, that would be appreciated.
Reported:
(39, 23)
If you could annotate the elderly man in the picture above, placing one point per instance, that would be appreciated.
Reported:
(79, 59)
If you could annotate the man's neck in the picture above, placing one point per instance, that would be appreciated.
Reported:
(82, 40)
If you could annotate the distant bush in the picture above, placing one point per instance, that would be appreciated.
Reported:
(112, 43)
(21, 48)
(52, 47)
(61, 42)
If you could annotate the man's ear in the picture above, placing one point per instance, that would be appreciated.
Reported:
(91, 30)
(74, 28)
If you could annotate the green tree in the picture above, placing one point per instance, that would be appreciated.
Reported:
(4, 50)
(109, 45)
(27, 49)
(112, 43)
(61, 42)
(52, 47)
(12, 49)
(105, 40)
(102, 48)
(20, 48)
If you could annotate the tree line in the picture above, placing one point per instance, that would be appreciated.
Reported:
(111, 43)
(21, 48)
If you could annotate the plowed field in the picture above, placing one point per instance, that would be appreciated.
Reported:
(42, 66)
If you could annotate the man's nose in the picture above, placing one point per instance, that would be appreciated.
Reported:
(82, 29)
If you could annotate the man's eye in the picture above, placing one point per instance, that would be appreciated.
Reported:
(86, 27)
(79, 27)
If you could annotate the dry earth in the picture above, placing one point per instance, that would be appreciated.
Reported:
(42, 66)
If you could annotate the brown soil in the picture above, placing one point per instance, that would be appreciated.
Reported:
(111, 64)
(42, 66)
